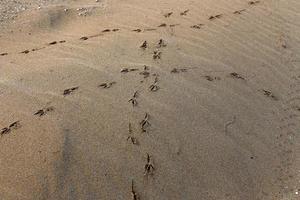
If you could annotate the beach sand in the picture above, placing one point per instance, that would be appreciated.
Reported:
(139, 99)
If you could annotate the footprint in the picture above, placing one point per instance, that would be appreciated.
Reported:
(197, 26)
(107, 85)
(12, 126)
(84, 38)
(145, 73)
(173, 25)
(168, 14)
(36, 49)
(178, 70)
(70, 91)
(211, 78)
(149, 29)
(157, 55)
(154, 87)
(253, 2)
(162, 25)
(161, 43)
(15, 125)
(3, 54)
(239, 11)
(55, 42)
(269, 94)
(184, 12)
(126, 70)
(132, 139)
(133, 100)
(52, 43)
(43, 111)
(137, 30)
(26, 51)
(144, 45)
(236, 76)
(213, 17)
(4, 131)
(145, 123)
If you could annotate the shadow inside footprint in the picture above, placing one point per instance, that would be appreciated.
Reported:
(236, 76)
(84, 38)
(178, 70)
(25, 51)
(211, 78)
(126, 70)
(70, 91)
(239, 11)
(253, 2)
(270, 94)
(213, 17)
(43, 111)
(184, 12)
(107, 85)
(197, 26)
(168, 14)
(12, 126)
(162, 25)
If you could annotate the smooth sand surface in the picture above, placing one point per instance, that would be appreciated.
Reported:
(221, 93)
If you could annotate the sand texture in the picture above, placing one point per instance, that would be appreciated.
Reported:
(150, 100)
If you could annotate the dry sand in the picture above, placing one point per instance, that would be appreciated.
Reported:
(223, 112)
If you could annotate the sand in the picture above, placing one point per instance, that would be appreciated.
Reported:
(212, 97)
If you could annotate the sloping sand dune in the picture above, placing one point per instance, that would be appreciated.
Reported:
(212, 97)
